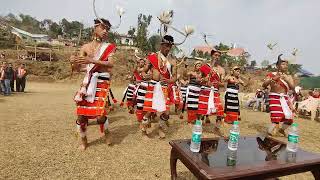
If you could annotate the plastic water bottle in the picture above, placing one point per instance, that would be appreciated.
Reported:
(231, 158)
(234, 136)
(196, 137)
(293, 138)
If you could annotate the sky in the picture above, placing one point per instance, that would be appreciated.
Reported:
(251, 24)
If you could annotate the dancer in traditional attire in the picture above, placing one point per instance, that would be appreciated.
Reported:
(177, 97)
(211, 103)
(91, 99)
(280, 107)
(232, 104)
(183, 81)
(176, 91)
(163, 72)
(130, 93)
(193, 92)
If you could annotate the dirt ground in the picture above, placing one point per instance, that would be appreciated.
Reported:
(38, 139)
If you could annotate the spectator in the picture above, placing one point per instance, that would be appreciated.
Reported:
(266, 100)
(299, 97)
(2, 78)
(6, 76)
(21, 78)
(13, 77)
(259, 100)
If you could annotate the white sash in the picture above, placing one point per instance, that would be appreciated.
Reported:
(174, 92)
(158, 100)
(91, 91)
(211, 105)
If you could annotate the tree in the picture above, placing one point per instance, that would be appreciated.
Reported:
(131, 31)
(7, 39)
(242, 61)
(30, 24)
(265, 63)
(71, 29)
(87, 34)
(142, 32)
(294, 68)
(154, 42)
(55, 30)
(45, 24)
(253, 63)
(113, 37)
(224, 59)
(193, 53)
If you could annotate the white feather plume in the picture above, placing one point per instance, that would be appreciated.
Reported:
(166, 17)
(188, 30)
(120, 11)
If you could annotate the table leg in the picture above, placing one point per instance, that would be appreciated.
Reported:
(173, 164)
(316, 174)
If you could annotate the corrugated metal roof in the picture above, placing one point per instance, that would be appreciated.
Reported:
(20, 31)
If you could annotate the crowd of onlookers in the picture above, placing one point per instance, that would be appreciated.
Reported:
(12, 78)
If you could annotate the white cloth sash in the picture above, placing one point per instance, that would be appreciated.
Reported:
(91, 90)
(158, 100)
(211, 105)
(174, 92)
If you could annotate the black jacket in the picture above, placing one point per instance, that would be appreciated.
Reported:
(9, 73)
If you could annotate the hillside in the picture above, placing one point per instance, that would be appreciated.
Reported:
(61, 69)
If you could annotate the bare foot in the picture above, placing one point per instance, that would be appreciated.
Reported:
(84, 144)
(146, 127)
(108, 139)
(163, 125)
(148, 131)
(82, 147)
(144, 135)
(162, 135)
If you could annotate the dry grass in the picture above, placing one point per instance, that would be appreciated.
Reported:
(38, 140)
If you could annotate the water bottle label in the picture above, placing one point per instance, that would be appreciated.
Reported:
(234, 137)
(196, 138)
(293, 138)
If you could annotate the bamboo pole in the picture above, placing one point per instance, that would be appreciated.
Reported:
(35, 52)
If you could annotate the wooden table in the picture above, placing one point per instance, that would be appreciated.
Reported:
(256, 158)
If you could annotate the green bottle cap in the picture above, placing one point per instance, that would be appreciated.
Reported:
(198, 122)
(295, 125)
(236, 122)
